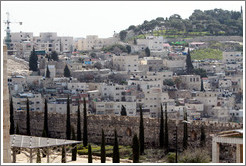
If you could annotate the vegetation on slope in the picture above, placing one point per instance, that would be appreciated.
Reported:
(206, 53)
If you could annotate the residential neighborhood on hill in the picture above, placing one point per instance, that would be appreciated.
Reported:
(179, 81)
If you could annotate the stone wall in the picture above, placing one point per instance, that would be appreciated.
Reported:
(125, 126)
(6, 124)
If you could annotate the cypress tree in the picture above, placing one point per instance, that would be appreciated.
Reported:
(47, 73)
(135, 149)
(189, 65)
(89, 154)
(67, 72)
(38, 160)
(166, 138)
(54, 56)
(44, 134)
(103, 152)
(74, 150)
(78, 123)
(63, 159)
(147, 51)
(33, 61)
(141, 132)
(185, 137)
(12, 123)
(28, 131)
(161, 136)
(135, 41)
(68, 131)
(85, 136)
(46, 129)
(123, 111)
(17, 129)
(116, 154)
(202, 88)
(203, 137)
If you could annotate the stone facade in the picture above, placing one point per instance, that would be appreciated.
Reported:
(6, 123)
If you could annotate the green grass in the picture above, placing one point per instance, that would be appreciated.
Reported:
(206, 53)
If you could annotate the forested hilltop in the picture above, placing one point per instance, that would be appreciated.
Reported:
(200, 23)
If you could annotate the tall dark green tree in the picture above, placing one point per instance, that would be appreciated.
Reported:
(123, 111)
(89, 154)
(129, 49)
(38, 160)
(203, 137)
(28, 130)
(46, 128)
(123, 35)
(12, 123)
(116, 153)
(33, 61)
(63, 159)
(147, 51)
(17, 129)
(141, 131)
(166, 138)
(67, 72)
(68, 125)
(78, 123)
(74, 150)
(202, 88)
(135, 149)
(85, 135)
(161, 134)
(185, 137)
(189, 65)
(54, 56)
(103, 152)
(47, 72)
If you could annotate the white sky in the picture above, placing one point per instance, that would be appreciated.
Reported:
(81, 18)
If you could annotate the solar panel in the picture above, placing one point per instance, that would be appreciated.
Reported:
(23, 141)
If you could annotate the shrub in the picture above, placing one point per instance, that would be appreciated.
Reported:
(171, 157)
(195, 156)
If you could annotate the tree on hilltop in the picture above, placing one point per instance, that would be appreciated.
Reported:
(33, 61)
(67, 72)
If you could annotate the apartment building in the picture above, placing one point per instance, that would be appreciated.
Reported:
(152, 63)
(175, 63)
(93, 42)
(114, 108)
(126, 62)
(36, 102)
(191, 82)
(152, 42)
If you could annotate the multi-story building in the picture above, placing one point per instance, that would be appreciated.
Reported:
(152, 63)
(175, 63)
(191, 82)
(125, 62)
(36, 102)
(114, 108)
(153, 43)
(92, 42)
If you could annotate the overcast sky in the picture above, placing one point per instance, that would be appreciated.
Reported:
(79, 19)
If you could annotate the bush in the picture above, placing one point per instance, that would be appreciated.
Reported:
(195, 156)
(171, 157)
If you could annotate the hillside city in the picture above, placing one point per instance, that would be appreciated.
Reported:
(192, 77)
